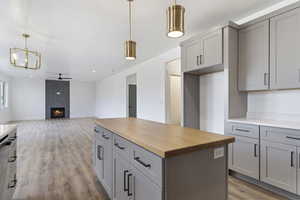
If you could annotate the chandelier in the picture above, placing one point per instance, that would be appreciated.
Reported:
(25, 58)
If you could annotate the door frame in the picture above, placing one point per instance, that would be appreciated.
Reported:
(131, 79)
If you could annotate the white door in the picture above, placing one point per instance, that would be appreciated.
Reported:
(99, 159)
(212, 45)
(121, 173)
(254, 57)
(143, 188)
(278, 165)
(284, 50)
(244, 156)
(193, 53)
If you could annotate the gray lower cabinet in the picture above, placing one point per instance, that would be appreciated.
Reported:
(99, 165)
(298, 171)
(279, 165)
(244, 156)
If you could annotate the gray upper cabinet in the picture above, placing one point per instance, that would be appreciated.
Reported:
(212, 49)
(244, 156)
(285, 48)
(279, 165)
(202, 52)
(254, 57)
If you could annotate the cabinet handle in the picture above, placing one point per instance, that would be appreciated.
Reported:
(141, 162)
(201, 59)
(128, 183)
(197, 60)
(105, 137)
(117, 145)
(266, 81)
(99, 150)
(293, 138)
(13, 158)
(96, 130)
(12, 183)
(125, 189)
(255, 150)
(292, 159)
(242, 130)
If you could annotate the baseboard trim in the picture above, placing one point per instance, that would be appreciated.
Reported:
(265, 186)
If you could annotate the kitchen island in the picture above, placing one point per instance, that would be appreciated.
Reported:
(145, 160)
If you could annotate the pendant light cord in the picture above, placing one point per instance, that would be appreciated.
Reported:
(130, 21)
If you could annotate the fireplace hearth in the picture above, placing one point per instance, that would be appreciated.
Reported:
(57, 113)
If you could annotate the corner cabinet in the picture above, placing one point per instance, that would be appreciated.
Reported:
(285, 47)
(203, 51)
(254, 57)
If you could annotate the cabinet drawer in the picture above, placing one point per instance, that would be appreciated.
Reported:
(245, 130)
(148, 163)
(284, 136)
(103, 134)
(122, 146)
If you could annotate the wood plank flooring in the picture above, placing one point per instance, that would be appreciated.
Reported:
(54, 163)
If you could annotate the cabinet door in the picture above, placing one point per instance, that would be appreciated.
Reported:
(144, 188)
(285, 47)
(193, 52)
(254, 57)
(121, 173)
(108, 163)
(244, 156)
(298, 171)
(278, 165)
(99, 159)
(212, 45)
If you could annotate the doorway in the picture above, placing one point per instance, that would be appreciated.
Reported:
(173, 92)
(131, 96)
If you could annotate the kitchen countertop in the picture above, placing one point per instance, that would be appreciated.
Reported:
(265, 122)
(6, 129)
(162, 139)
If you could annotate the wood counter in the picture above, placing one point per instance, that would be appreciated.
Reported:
(162, 139)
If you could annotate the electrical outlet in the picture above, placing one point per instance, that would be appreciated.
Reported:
(218, 152)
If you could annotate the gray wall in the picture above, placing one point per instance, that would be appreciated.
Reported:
(55, 100)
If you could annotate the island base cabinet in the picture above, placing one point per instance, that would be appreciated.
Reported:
(144, 188)
(244, 156)
(99, 165)
(279, 165)
(298, 171)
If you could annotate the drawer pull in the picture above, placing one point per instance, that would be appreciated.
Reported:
(12, 159)
(105, 137)
(125, 175)
(255, 150)
(292, 138)
(141, 162)
(99, 151)
(117, 145)
(292, 159)
(128, 184)
(12, 183)
(242, 130)
(96, 130)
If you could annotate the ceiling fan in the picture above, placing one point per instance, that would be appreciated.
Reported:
(60, 76)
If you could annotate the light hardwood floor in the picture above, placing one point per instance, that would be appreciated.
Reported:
(54, 163)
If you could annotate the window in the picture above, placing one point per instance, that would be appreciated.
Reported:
(3, 94)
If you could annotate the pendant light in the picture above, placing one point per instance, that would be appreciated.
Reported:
(175, 20)
(130, 45)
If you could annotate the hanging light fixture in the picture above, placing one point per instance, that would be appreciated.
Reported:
(130, 45)
(175, 20)
(24, 58)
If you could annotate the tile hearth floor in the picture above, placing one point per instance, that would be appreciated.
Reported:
(54, 163)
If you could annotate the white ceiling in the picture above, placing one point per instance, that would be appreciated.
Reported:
(77, 36)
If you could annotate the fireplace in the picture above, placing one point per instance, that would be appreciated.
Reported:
(57, 113)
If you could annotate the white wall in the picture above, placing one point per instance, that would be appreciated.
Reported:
(111, 92)
(277, 105)
(5, 113)
(82, 99)
(212, 102)
(28, 99)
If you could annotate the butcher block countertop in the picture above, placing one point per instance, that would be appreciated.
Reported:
(163, 139)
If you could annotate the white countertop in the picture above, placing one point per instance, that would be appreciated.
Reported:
(267, 122)
(6, 129)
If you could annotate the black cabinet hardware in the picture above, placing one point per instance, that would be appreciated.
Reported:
(12, 159)
(105, 137)
(141, 162)
(13, 183)
(242, 130)
(255, 150)
(96, 130)
(292, 159)
(128, 184)
(125, 175)
(117, 145)
(99, 150)
(292, 138)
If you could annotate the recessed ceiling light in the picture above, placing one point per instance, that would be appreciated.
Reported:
(93, 70)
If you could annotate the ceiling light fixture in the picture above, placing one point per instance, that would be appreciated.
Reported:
(24, 58)
(130, 45)
(175, 20)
